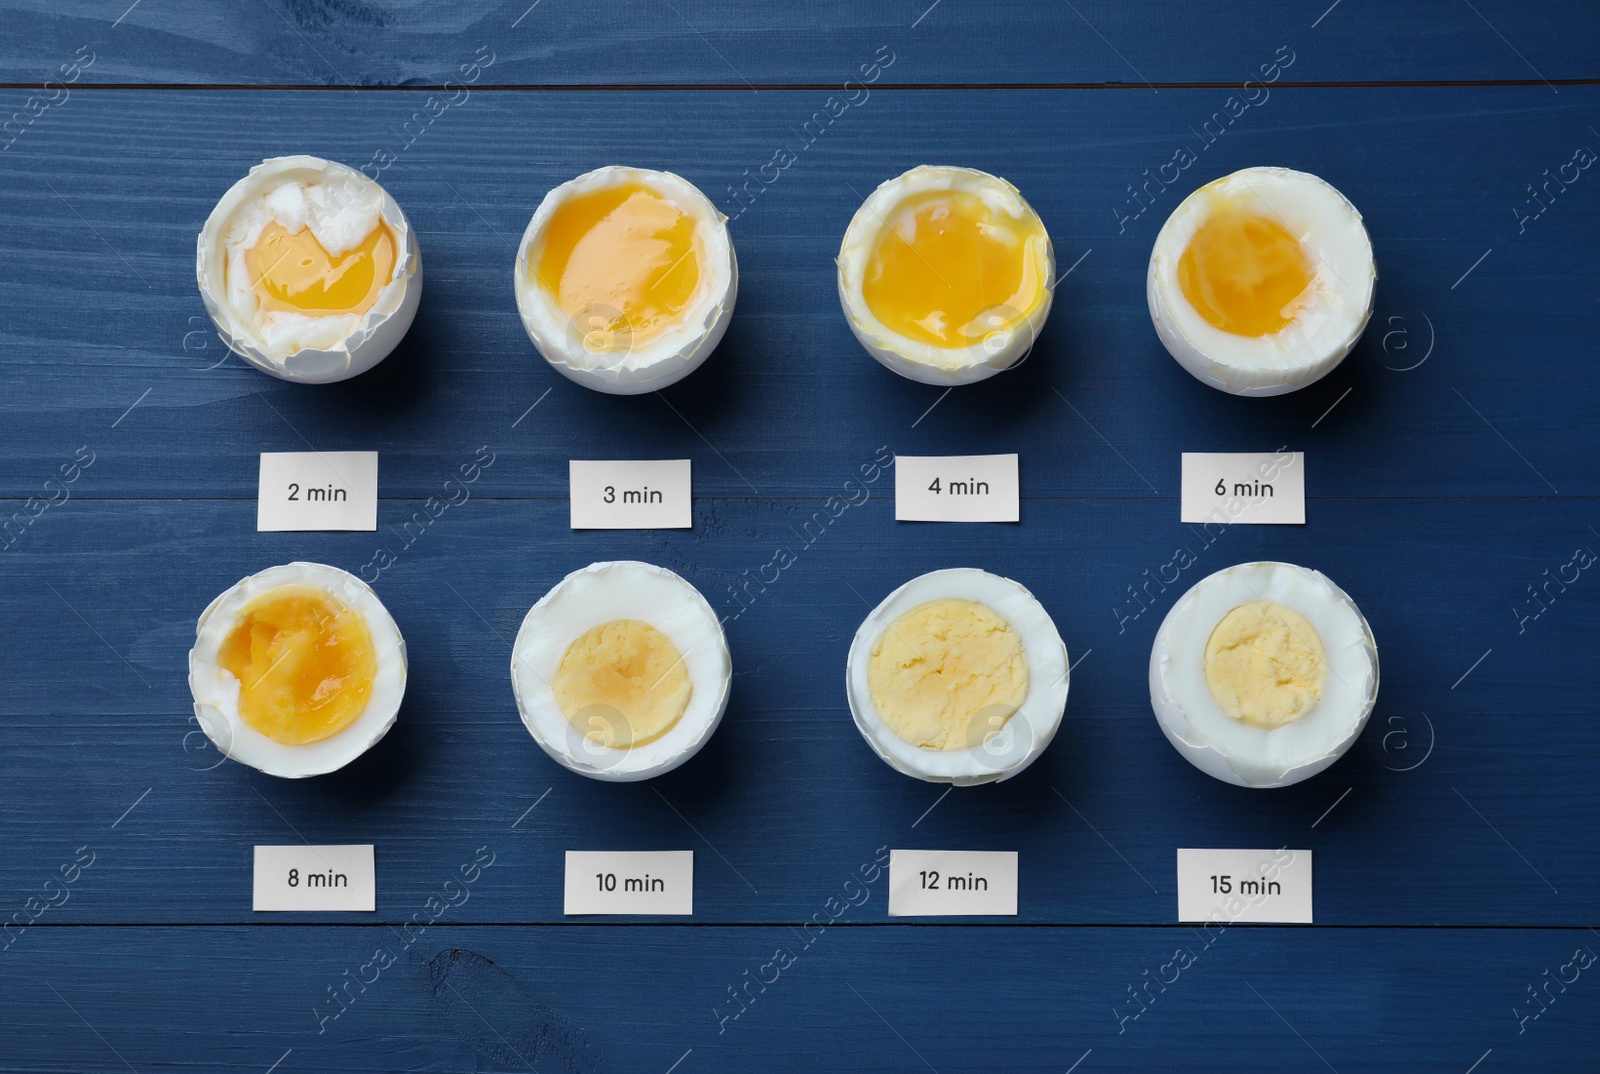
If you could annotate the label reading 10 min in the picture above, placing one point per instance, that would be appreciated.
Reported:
(629, 882)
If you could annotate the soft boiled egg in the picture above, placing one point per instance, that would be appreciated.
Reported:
(626, 279)
(621, 671)
(309, 270)
(958, 676)
(1261, 282)
(297, 670)
(946, 275)
(1263, 674)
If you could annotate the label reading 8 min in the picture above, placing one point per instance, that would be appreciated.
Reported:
(956, 488)
(314, 878)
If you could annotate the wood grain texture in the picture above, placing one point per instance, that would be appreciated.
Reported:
(353, 43)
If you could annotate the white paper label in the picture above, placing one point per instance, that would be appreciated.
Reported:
(637, 494)
(952, 883)
(1268, 488)
(629, 882)
(1231, 886)
(315, 878)
(956, 488)
(317, 490)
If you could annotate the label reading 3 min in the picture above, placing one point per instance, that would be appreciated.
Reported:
(629, 882)
(1266, 488)
(956, 488)
(303, 491)
(952, 883)
(637, 494)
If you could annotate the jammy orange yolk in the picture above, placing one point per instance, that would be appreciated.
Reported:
(304, 661)
(292, 273)
(623, 260)
(947, 269)
(1245, 273)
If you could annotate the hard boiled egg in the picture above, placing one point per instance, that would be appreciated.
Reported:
(621, 671)
(946, 275)
(309, 270)
(297, 670)
(1263, 674)
(958, 676)
(1261, 282)
(626, 279)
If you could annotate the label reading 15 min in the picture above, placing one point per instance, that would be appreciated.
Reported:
(956, 488)
(639, 494)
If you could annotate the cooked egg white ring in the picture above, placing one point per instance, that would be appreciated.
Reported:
(674, 354)
(1030, 728)
(911, 358)
(601, 593)
(1237, 752)
(1322, 332)
(341, 346)
(216, 691)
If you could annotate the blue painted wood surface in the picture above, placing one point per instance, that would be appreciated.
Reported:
(1451, 467)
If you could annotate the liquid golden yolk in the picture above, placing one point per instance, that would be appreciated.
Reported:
(622, 684)
(292, 273)
(948, 270)
(948, 674)
(623, 262)
(1265, 664)
(304, 661)
(1245, 273)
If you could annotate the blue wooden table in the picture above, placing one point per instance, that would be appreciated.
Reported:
(1451, 466)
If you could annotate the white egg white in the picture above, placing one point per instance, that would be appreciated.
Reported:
(1030, 728)
(1325, 327)
(342, 207)
(216, 691)
(620, 366)
(1012, 334)
(1237, 752)
(601, 593)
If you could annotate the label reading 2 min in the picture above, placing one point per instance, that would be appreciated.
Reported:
(639, 494)
(317, 490)
(956, 488)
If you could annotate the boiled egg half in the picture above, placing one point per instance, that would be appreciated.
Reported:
(309, 270)
(958, 676)
(297, 670)
(1262, 281)
(946, 275)
(1263, 674)
(621, 672)
(626, 279)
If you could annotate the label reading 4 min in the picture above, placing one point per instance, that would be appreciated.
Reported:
(956, 488)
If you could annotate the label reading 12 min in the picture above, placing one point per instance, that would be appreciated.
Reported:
(952, 883)
(637, 494)
(956, 488)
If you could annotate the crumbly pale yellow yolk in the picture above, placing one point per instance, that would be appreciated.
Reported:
(304, 661)
(1265, 664)
(624, 258)
(292, 273)
(1245, 273)
(948, 674)
(948, 270)
(622, 684)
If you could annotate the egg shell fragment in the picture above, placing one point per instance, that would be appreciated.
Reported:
(664, 360)
(375, 334)
(1029, 730)
(1315, 741)
(601, 593)
(216, 692)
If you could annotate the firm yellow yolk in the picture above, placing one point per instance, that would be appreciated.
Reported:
(1245, 273)
(622, 684)
(304, 661)
(292, 273)
(624, 261)
(948, 270)
(948, 674)
(1265, 664)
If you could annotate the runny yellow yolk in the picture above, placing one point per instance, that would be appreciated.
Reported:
(622, 684)
(304, 661)
(1245, 273)
(948, 270)
(1265, 665)
(293, 273)
(622, 262)
(948, 674)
